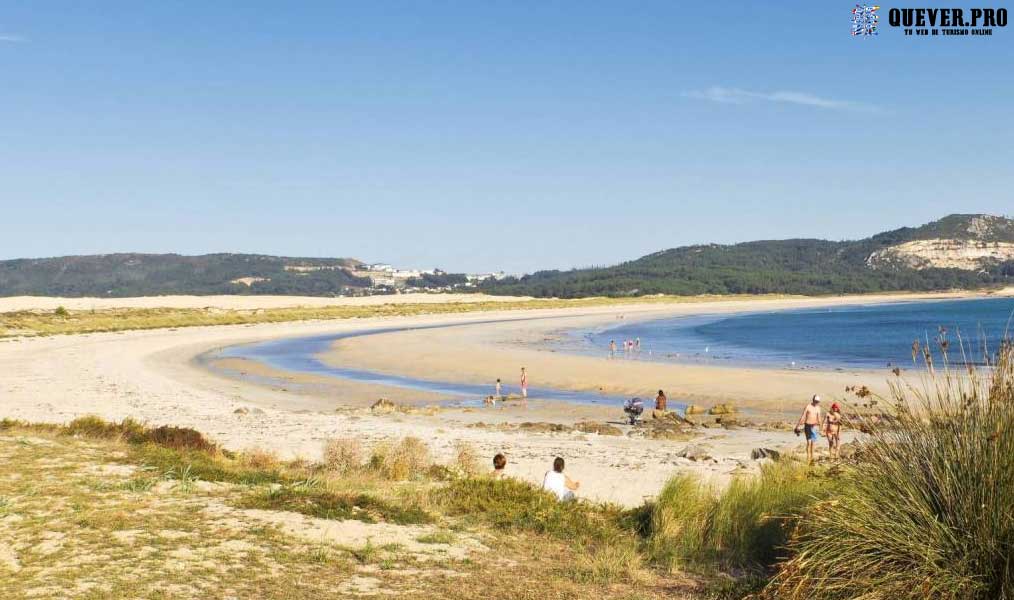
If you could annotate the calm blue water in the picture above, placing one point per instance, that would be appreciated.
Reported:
(301, 355)
(854, 336)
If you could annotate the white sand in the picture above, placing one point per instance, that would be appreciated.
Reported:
(151, 375)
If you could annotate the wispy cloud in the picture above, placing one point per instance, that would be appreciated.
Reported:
(11, 38)
(726, 95)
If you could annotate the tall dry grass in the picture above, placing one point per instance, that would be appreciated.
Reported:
(343, 455)
(408, 458)
(929, 512)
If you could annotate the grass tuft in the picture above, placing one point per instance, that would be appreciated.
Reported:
(343, 455)
(325, 504)
(747, 526)
(409, 458)
(511, 505)
(929, 513)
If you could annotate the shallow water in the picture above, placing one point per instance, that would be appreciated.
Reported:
(301, 355)
(870, 336)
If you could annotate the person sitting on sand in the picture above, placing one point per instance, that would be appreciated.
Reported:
(558, 483)
(490, 401)
(832, 429)
(499, 466)
(810, 422)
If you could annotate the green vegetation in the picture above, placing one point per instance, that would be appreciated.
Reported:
(745, 527)
(931, 512)
(93, 321)
(125, 275)
(800, 266)
(511, 505)
(923, 510)
(104, 505)
(325, 504)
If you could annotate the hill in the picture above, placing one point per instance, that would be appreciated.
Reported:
(122, 275)
(958, 251)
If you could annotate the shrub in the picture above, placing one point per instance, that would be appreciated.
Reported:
(343, 455)
(511, 505)
(259, 458)
(179, 438)
(466, 459)
(205, 465)
(129, 430)
(326, 504)
(96, 427)
(409, 458)
(929, 513)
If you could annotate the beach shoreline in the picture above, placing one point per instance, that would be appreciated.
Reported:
(152, 376)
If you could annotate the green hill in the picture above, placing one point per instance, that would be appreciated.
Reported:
(121, 275)
(798, 266)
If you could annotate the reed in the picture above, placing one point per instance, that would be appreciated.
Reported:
(929, 512)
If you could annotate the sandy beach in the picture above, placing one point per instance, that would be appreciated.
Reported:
(153, 376)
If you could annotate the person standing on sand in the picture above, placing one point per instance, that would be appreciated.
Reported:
(612, 348)
(660, 401)
(832, 429)
(524, 383)
(810, 422)
(499, 389)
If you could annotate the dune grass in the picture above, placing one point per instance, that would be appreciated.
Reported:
(110, 491)
(512, 505)
(746, 526)
(58, 322)
(322, 503)
(931, 512)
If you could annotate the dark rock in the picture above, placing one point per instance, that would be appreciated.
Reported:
(599, 428)
(541, 427)
(759, 453)
(382, 406)
(722, 409)
(696, 453)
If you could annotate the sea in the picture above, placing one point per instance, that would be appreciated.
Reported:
(846, 337)
(854, 336)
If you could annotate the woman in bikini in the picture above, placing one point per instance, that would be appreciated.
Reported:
(832, 429)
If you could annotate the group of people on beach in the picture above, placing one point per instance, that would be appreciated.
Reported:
(554, 481)
(813, 423)
(491, 400)
(629, 346)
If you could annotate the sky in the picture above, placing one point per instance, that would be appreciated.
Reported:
(483, 136)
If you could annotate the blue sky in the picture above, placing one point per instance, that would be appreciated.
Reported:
(485, 135)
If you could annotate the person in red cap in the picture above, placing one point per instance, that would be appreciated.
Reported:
(832, 430)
